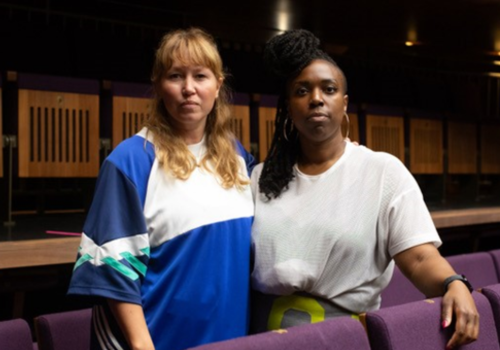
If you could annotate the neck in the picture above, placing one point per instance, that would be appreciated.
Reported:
(314, 159)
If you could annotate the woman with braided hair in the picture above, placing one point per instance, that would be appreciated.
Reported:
(331, 218)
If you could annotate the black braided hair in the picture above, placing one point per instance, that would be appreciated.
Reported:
(285, 56)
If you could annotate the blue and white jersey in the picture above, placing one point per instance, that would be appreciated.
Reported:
(181, 249)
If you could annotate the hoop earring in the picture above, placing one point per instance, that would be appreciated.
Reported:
(348, 125)
(285, 127)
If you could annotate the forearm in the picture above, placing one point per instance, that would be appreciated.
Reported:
(130, 318)
(425, 268)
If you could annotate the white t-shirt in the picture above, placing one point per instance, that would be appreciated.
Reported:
(333, 235)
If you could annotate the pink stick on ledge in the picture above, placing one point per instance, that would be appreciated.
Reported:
(62, 233)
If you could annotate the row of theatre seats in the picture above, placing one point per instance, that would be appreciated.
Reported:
(61, 120)
(406, 321)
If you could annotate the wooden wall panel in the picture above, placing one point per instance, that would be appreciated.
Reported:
(58, 134)
(267, 116)
(386, 134)
(462, 148)
(1, 136)
(240, 123)
(128, 115)
(490, 149)
(426, 146)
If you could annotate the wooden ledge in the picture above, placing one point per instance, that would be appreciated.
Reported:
(38, 252)
(465, 217)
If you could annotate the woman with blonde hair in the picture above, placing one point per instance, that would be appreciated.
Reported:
(165, 247)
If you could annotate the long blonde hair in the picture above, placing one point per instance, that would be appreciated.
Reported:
(194, 46)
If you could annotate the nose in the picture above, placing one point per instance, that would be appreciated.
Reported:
(317, 98)
(188, 87)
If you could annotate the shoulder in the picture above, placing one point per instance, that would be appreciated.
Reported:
(257, 170)
(134, 151)
(375, 158)
(133, 157)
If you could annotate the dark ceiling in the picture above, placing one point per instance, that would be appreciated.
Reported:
(115, 40)
(463, 29)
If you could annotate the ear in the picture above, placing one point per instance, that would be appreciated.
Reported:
(346, 102)
(220, 81)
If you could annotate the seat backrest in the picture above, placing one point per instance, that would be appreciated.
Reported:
(65, 330)
(343, 333)
(58, 126)
(417, 325)
(478, 267)
(399, 291)
(492, 292)
(15, 334)
(495, 254)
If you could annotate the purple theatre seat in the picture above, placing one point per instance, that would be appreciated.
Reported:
(68, 330)
(343, 333)
(495, 254)
(400, 291)
(15, 334)
(493, 294)
(417, 325)
(478, 267)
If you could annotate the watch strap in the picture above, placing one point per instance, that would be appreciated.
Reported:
(462, 278)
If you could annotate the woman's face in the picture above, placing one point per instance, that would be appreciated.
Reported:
(188, 93)
(317, 102)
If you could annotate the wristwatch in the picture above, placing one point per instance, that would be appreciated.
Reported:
(457, 278)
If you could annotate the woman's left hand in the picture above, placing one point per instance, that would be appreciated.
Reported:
(458, 303)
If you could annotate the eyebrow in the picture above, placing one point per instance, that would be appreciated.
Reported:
(306, 82)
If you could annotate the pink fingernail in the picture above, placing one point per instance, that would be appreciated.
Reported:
(444, 324)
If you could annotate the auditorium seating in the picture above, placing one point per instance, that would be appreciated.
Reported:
(58, 126)
(342, 333)
(69, 330)
(495, 254)
(399, 291)
(417, 325)
(16, 335)
(492, 292)
(478, 267)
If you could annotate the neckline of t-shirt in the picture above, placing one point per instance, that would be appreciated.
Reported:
(198, 149)
(331, 169)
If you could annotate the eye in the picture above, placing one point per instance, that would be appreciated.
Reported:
(301, 91)
(331, 89)
(173, 76)
(200, 76)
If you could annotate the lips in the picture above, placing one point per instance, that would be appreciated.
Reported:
(189, 104)
(317, 117)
